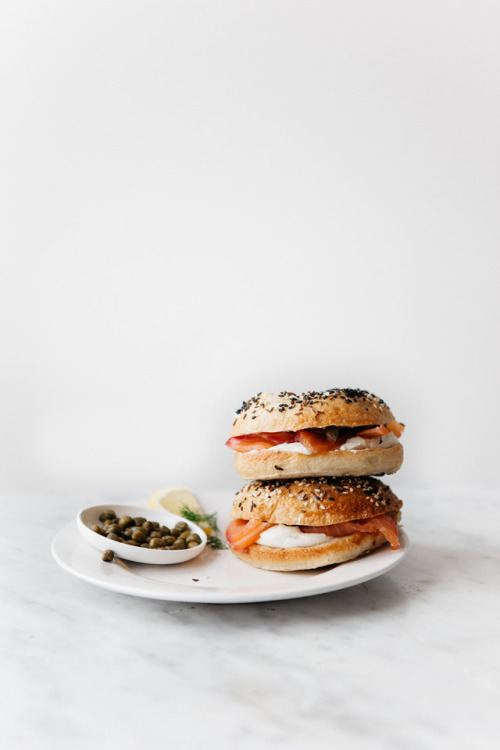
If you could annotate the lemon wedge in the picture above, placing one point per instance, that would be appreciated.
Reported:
(173, 499)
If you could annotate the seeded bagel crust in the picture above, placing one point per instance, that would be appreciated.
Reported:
(306, 558)
(284, 412)
(270, 464)
(315, 501)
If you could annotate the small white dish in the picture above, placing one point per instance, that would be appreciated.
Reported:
(87, 517)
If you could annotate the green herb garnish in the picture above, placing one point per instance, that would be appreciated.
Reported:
(215, 542)
(211, 519)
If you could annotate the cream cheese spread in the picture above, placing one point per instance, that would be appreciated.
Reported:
(286, 448)
(359, 443)
(353, 444)
(286, 537)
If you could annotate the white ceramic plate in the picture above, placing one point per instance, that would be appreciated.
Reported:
(215, 576)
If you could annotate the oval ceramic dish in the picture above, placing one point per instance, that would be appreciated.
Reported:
(87, 517)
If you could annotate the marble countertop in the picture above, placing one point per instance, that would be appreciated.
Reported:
(409, 660)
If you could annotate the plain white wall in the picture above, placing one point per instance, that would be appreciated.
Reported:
(203, 199)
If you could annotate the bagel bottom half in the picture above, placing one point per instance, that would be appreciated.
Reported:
(339, 550)
(271, 464)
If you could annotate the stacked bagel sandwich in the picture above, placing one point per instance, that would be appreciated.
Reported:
(310, 498)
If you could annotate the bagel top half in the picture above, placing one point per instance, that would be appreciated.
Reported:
(285, 411)
(320, 501)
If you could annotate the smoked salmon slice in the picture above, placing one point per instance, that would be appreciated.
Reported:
(245, 443)
(240, 534)
(317, 442)
(372, 432)
(396, 427)
(383, 524)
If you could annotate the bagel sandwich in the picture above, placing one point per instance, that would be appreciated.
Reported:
(338, 432)
(307, 523)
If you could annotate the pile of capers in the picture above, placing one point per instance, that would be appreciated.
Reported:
(139, 532)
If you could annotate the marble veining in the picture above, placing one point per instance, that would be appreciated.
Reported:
(409, 660)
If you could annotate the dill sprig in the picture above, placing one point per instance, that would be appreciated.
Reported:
(210, 519)
(215, 542)
(192, 515)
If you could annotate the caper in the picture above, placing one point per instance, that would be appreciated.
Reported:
(139, 532)
(108, 555)
(125, 521)
(107, 514)
(155, 542)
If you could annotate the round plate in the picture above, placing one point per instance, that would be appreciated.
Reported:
(216, 576)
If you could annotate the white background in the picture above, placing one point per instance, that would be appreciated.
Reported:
(201, 200)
